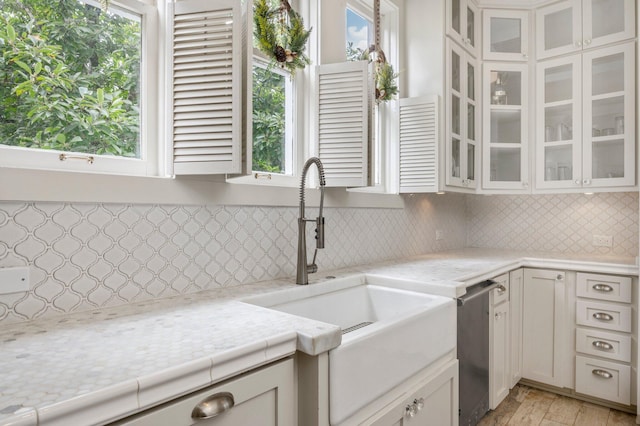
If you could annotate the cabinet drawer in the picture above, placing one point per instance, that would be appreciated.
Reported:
(603, 315)
(603, 379)
(263, 397)
(604, 344)
(498, 295)
(604, 287)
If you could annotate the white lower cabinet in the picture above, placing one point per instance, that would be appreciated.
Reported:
(543, 326)
(431, 403)
(515, 325)
(604, 339)
(499, 349)
(264, 397)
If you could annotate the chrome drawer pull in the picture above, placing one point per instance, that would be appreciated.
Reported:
(605, 288)
(501, 288)
(602, 373)
(603, 346)
(601, 316)
(212, 406)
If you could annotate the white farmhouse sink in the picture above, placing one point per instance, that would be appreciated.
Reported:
(389, 334)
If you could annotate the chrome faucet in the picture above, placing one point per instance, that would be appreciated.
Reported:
(303, 270)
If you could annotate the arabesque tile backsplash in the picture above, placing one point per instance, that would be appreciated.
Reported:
(88, 256)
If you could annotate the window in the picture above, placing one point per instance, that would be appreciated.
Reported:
(272, 119)
(71, 85)
(360, 36)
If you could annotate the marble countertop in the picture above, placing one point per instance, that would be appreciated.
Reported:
(101, 365)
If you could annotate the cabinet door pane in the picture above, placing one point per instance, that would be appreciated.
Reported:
(506, 88)
(607, 74)
(558, 29)
(506, 35)
(558, 123)
(455, 157)
(558, 163)
(471, 161)
(455, 15)
(558, 83)
(607, 159)
(506, 127)
(471, 122)
(455, 71)
(471, 26)
(471, 82)
(509, 165)
(607, 17)
(455, 115)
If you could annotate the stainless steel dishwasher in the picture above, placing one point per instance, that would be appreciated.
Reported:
(473, 352)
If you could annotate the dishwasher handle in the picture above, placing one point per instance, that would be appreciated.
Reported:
(478, 290)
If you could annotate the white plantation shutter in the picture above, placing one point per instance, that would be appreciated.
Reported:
(419, 144)
(207, 61)
(342, 122)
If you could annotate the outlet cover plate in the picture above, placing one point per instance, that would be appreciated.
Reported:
(603, 241)
(14, 280)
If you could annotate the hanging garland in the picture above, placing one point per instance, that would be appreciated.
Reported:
(385, 77)
(280, 34)
(386, 86)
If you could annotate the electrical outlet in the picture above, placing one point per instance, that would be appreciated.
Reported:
(439, 235)
(603, 241)
(14, 280)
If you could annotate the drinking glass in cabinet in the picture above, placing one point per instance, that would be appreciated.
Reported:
(455, 158)
(555, 158)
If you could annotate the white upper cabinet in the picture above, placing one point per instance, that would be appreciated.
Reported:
(462, 117)
(573, 25)
(585, 127)
(463, 24)
(505, 127)
(505, 35)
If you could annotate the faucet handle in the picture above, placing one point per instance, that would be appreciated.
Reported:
(320, 232)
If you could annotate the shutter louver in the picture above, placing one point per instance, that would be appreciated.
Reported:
(207, 57)
(419, 144)
(342, 122)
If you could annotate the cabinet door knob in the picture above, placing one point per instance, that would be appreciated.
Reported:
(602, 373)
(559, 277)
(577, 182)
(578, 43)
(603, 346)
(586, 182)
(524, 55)
(419, 402)
(501, 289)
(601, 316)
(213, 406)
(587, 42)
(411, 410)
(605, 288)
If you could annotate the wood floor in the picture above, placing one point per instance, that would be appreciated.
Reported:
(527, 406)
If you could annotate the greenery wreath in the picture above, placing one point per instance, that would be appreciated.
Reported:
(280, 34)
(386, 85)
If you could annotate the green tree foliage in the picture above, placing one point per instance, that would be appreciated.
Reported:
(268, 120)
(69, 77)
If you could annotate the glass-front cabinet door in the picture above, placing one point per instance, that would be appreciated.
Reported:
(463, 24)
(586, 120)
(573, 25)
(505, 129)
(609, 118)
(505, 35)
(607, 21)
(558, 130)
(461, 118)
